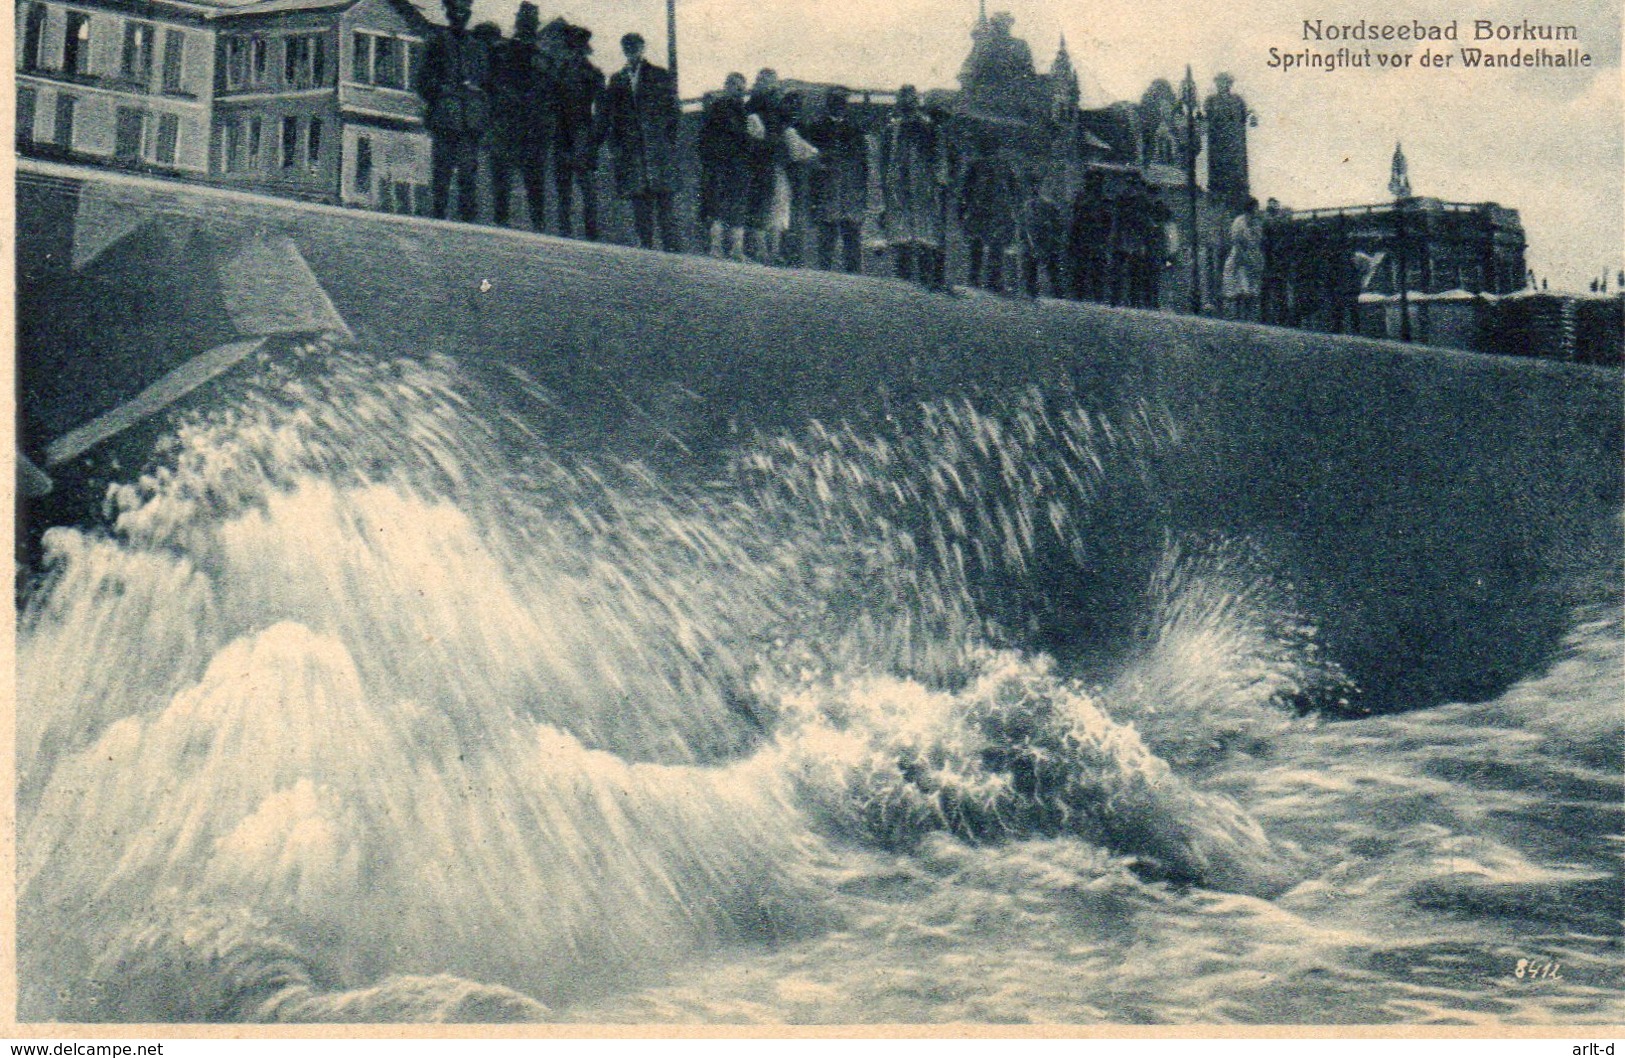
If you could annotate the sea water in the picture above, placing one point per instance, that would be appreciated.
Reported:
(366, 702)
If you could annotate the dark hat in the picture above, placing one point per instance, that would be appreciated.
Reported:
(526, 20)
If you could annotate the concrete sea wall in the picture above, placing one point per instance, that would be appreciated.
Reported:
(1441, 511)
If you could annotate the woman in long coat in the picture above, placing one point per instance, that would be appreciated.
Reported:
(779, 195)
(765, 126)
(840, 183)
(725, 150)
(1244, 267)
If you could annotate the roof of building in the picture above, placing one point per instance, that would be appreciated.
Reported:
(1372, 297)
(257, 7)
(428, 12)
(195, 8)
(1415, 204)
(1110, 127)
(1161, 174)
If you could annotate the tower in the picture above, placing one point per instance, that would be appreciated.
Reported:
(1227, 121)
(1065, 95)
(1399, 175)
(998, 77)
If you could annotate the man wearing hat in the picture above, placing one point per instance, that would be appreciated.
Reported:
(640, 119)
(525, 97)
(575, 135)
(453, 81)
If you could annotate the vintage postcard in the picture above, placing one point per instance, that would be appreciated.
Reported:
(818, 516)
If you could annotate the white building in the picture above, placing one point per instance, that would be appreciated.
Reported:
(314, 98)
(309, 98)
(116, 83)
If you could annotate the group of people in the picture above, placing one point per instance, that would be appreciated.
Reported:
(768, 174)
(1308, 276)
(783, 179)
(1118, 245)
(535, 102)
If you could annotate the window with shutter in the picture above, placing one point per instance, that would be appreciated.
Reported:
(27, 103)
(137, 61)
(174, 54)
(363, 165)
(66, 106)
(129, 128)
(34, 37)
(76, 44)
(169, 134)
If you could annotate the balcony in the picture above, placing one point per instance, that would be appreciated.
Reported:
(392, 104)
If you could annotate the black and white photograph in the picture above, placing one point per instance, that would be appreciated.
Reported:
(959, 516)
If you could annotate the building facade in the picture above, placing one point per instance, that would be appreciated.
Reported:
(314, 99)
(116, 83)
(1322, 264)
(306, 98)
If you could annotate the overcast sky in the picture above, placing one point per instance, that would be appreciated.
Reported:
(1546, 142)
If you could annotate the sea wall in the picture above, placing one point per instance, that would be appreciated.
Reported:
(1440, 511)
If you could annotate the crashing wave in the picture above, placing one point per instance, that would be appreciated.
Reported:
(1017, 753)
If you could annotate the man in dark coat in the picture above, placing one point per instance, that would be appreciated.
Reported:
(840, 183)
(913, 181)
(525, 94)
(990, 201)
(1089, 247)
(640, 122)
(454, 81)
(580, 87)
(1044, 225)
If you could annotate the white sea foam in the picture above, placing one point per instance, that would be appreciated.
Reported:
(351, 716)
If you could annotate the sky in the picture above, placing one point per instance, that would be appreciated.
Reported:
(1549, 143)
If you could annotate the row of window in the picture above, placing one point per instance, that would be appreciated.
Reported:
(304, 61)
(378, 59)
(136, 57)
(298, 144)
(136, 136)
(384, 61)
(400, 196)
(247, 145)
(383, 190)
(130, 136)
(27, 116)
